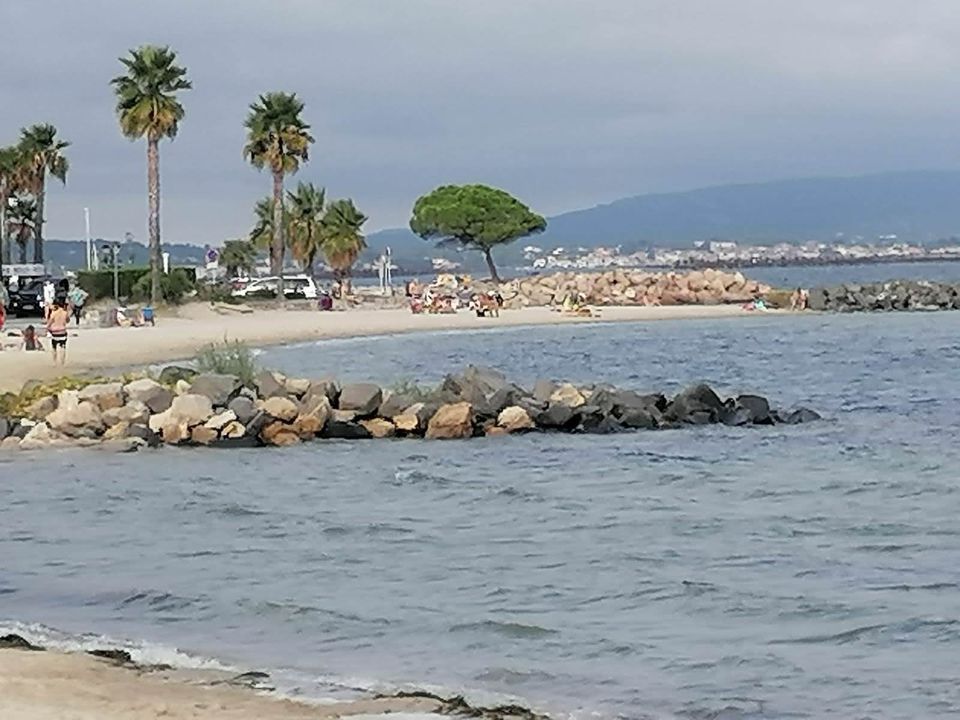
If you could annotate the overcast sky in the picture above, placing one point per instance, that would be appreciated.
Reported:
(566, 103)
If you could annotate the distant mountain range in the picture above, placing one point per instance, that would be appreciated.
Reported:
(920, 207)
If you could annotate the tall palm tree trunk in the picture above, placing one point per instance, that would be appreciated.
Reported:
(4, 242)
(493, 268)
(153, 218)
(38, 235)
(276, 249)
(22, 242)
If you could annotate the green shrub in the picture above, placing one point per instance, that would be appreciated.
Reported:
(174, 285)
(218, 293)
(231, 357)
(410, 388)
(99, 283)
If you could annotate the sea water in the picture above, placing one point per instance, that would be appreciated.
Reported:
(771, 572)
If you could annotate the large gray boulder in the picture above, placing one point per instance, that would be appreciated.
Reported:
(4, 428)
(336, 430)
(270, 385)
(149, 392)
(221, 389)
(362, 398)
(696, 405)
(243, 407)
(757, 407)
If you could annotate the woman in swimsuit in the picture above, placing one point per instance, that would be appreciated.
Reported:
(57, 322)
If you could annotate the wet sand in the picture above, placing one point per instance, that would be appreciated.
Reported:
(54, 686)
(100, 349)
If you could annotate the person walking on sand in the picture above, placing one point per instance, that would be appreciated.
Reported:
(57, 321)
(78, 298)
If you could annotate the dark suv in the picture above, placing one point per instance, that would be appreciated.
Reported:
(28, 300)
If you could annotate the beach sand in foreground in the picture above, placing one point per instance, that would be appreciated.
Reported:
(100, 349)
(53, 686)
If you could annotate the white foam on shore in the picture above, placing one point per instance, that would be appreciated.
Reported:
(141, 653)
(293, 685)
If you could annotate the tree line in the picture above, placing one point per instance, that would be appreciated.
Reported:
(148, 106)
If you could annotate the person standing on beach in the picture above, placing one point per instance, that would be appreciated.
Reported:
(49, 295)
(78, 298)
(58, 319)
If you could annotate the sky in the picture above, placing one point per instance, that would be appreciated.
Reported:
(565, 103)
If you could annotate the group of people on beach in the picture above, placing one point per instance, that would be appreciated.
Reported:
(60, 304)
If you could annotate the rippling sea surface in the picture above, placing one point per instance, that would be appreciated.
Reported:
(788, 572)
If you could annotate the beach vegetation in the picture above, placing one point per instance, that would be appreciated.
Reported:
(21, 223)
(229, 357)
(17, 404)
(476, 217)
(238, 256)
(41, 154)
(11, 177)
(175, 286)
(278, 139)
(343, 239)
(410, 388)
(306, 229)
(148, 106)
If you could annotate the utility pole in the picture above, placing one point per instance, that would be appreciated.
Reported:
(86, 218)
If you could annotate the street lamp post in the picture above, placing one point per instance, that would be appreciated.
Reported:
(114, 250)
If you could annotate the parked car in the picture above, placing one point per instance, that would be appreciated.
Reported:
(27, 301)
(294, 286)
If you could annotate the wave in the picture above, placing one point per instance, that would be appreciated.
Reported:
(141, 652)
(508, 629)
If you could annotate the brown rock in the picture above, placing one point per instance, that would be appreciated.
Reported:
(281, 408)
(451, 422)
(104, 395)
(117, 431)
(133, 413)
(233, 430)
(495, 431)
(379, 428)
(39, 409)
(203, 435)
(568, 395)
(280, 434)
(515, 419)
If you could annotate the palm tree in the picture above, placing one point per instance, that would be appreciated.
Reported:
(261, 235)
(306, 224)
(12, 175)
(278, 139)
(343, 239)
(238, 255)
(22, 223)
(147, 105)
(42, 154)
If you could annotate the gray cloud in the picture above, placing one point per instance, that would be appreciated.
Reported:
(564, 103)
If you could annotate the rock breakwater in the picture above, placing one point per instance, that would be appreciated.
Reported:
(629, 287)
(886, 296)
(221, 410)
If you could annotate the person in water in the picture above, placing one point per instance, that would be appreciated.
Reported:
(30, 341)
(58, 319)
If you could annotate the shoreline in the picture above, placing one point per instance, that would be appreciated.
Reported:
(97, 350)
(37, 683)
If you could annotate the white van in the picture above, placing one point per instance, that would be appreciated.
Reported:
(294, 286)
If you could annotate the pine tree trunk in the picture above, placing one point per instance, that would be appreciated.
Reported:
(22, 242)
(276, 248)
(493, 268)
(153, 217)
(38, 234)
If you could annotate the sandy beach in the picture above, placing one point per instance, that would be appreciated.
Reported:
(55, 686)
(196, 325)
